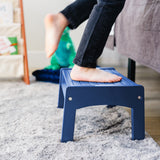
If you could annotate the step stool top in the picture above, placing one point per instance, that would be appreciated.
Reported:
(65, 72)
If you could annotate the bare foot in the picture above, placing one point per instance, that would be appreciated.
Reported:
(93, 75)
(54, 25)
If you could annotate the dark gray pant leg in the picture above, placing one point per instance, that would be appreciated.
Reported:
(97, 31)
(78, 11)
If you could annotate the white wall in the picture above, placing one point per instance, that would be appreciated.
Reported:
(35, 11)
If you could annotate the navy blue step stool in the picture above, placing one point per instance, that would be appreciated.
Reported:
(77, 94)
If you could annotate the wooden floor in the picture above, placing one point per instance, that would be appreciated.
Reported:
(151, 82)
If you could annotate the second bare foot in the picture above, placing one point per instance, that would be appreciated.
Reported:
(54, 26)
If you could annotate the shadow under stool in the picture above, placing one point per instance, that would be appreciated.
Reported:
(74, 95)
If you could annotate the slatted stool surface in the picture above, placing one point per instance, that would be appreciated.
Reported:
(77, 94)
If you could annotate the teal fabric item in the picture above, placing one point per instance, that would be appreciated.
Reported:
(64, 55)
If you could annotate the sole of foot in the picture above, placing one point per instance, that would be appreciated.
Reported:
(54, 27)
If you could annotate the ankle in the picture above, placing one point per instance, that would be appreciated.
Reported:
(62, 20)
(80, 69)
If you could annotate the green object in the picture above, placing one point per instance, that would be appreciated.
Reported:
(64, 55)
(8, 45)
(13, 41)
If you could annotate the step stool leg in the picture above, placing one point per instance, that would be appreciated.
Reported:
(138, 122)
(61, 98)
(68, 123)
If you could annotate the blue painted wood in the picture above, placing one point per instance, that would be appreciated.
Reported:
(68, 122)
(77, 94)
(61, 98)
(61, 95)
(137, 118)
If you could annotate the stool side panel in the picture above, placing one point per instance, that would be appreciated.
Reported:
(88, 96)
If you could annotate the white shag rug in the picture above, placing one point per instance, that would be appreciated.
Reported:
(30, 128)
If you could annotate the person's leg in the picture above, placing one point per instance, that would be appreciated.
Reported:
(72, 16)
(54, 26)
(78, 12)
(93, 41)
